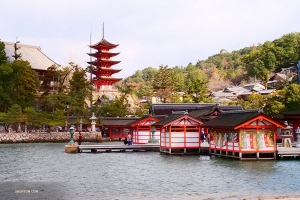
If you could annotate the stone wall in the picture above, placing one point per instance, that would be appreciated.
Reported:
(24, 137)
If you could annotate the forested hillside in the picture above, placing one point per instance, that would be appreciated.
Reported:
(216, 72)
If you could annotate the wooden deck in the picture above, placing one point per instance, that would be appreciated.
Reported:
(118, 148)
(282, 152)
(288, 152)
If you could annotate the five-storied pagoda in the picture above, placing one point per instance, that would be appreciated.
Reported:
(103, 71)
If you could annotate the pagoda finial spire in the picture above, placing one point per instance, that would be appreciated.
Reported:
(103, 31)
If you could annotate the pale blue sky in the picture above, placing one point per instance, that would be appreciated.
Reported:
(150, 32)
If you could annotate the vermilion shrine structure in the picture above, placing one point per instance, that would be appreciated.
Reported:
(103, 72)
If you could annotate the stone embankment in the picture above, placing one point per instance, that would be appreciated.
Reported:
(25, 137)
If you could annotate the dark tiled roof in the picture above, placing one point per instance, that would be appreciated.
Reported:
(33, 54)
(168, 108)
(201, 112)
(293, 112)
(139, 119)
(231, 119)
(118, 121)
(158, 117)
(168, 119)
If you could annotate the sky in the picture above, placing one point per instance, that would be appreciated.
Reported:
(150, 33)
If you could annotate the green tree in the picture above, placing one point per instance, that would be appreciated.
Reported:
(261, 62)
(15, 116)
(79, 92)
(196, 84)
(164, 84)
(254, 101)
(25, 83)
(18, 84)
(3, 57)
(290, 97)
(112, 108)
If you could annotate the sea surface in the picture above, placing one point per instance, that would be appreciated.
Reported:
(45, 171)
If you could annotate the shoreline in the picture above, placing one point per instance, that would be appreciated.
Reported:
(292, 197)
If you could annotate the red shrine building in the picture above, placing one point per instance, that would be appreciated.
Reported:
(103, 72)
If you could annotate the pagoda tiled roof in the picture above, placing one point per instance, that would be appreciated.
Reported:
(33, 54)
(100, 62)
(107, 69)
(99, 53)
(107, 78)
(230, 119)
(104, 42)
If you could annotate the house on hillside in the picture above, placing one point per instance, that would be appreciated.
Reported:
(254, 87)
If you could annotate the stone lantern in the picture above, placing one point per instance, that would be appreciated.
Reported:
(286, 135)
(298, 137)
(71, 130)
(93, 123)
(153, 139)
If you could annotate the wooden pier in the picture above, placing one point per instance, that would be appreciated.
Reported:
(281, 153)
(117, 148)
(288, 152)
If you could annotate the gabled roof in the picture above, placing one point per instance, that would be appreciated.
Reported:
(33, 54)
(235, 118)
(173, 117)
(146, 118)
(118, 121)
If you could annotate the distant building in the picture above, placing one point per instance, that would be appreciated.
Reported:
(33, 54)
(254, 87)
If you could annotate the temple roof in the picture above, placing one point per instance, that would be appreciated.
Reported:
(100, 53)
(101, 62)
(105, 43)
(168, 119)
(174, 116)
(107, 69)
(33, 54)
(118, 121)
(168, 108)
(107, 78)
(293, 112)
(231, 119)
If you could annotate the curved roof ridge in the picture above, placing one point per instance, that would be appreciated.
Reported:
(257, 110)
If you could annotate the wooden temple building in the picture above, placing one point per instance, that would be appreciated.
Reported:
(117, 127)
(179, 133)
(246, 134)
(142, 129)
(103, 73)
(39, 62)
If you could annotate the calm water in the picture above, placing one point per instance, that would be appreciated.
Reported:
(45, 171)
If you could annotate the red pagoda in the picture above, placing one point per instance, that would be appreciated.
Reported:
(103, 72)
